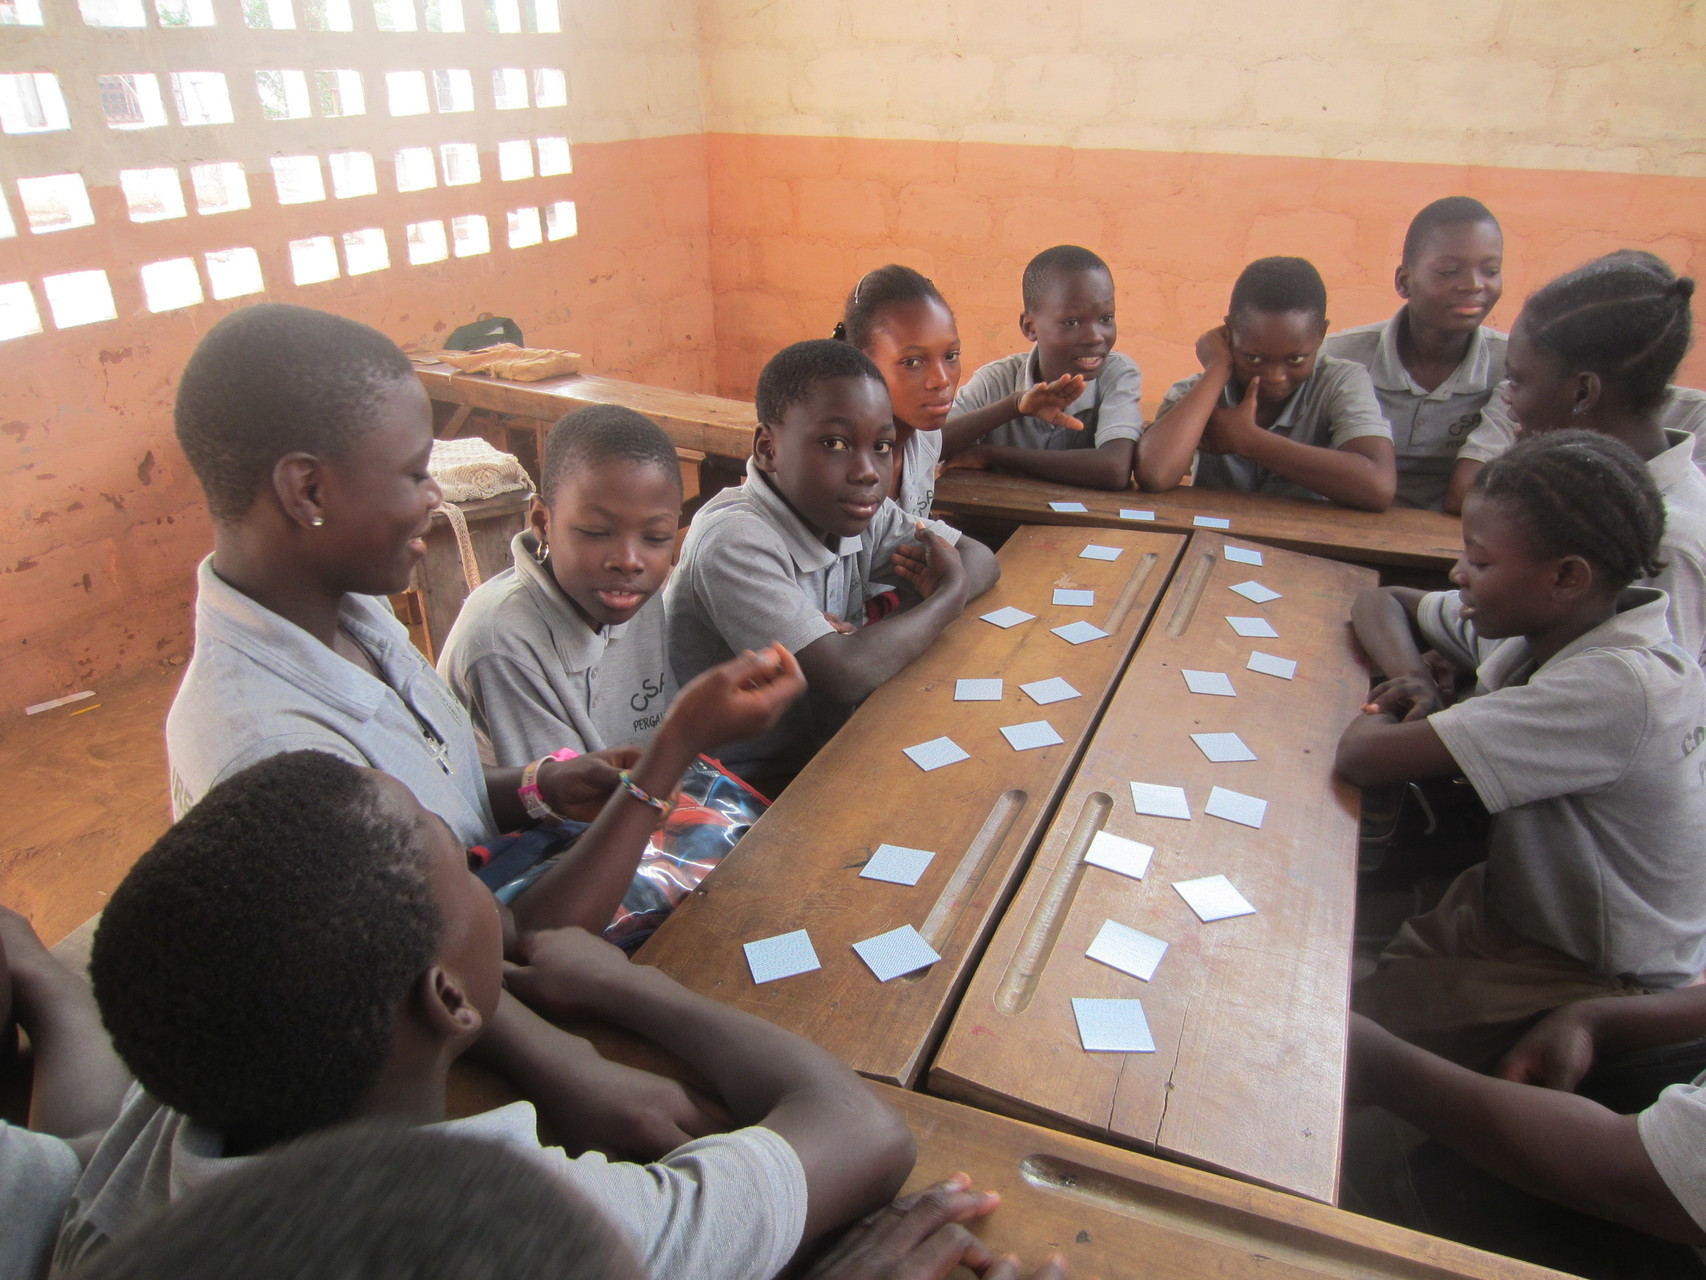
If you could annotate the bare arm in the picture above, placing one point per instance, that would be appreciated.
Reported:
(1107, 466)
(736, 699)
(856, 1151)
(1165, 453)
(1531, 1137)
(1384, 619)
(1560, 1049)
(79, 1082)
(1360, 473)
(1377, 748)
(1045, 400)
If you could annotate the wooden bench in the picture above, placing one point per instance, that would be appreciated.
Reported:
(799, 866)
(1248, 1014)
(1401, 536)
(705, 425)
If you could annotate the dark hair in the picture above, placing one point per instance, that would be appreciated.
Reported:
(1063, 259)
(1625, 316)
(1585, 494)
(275, 379)
(380, 1204)
(600, 433)
(877, 291)
(793, 371)
(251, 966)
(1274, 286)
(1445, 212)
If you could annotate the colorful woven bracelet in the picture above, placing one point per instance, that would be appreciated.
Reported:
(663, 805)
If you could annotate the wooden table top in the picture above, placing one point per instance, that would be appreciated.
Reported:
(799, 865)
(1401, 536)
(1248, 1014)
(701, 423)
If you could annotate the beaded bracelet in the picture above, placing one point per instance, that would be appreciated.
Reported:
(663, 805)
(531, 799)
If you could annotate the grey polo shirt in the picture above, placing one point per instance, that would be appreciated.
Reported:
(751, 573)
(535, 676)
(259, 685)
(1428, 427)
(1335, 405)
(1108, 408)
(1593, 765)
(1683, 548)
(1683, 409)
(916, 493)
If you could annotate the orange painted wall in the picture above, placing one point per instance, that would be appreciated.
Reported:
(101, 523)
(796, 220)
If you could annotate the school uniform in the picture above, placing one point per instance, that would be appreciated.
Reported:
(1428, 427)
(1673, 1130)
(37, 1175)
(536, 676)
(1683, 547)
(1335, 405)
(1109, 407)
(916, 492)
(1682, 409)
(752, 573)
(259, 685)
(728, 1207)
(1593, 767)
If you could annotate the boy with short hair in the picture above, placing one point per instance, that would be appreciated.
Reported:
(307, 946)
(806, 553)
(1269, 413)
(1435, 364)
(567, 648)
(1066, 410)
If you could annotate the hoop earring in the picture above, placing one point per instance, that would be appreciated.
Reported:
(541, 553)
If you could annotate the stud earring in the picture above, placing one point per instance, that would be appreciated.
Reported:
(318, 522)
(1579, 410)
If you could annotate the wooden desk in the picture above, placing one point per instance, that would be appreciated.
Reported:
(1248, 1014)
(799, 866)
(1401, 536)
(1115, 1213)
(697, 423)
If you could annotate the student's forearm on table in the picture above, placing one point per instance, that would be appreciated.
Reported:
(1104, 467)
(1383, 619)
(983, 570)
(1165, 453)
(849, 668)
(79, 1081)
(587, 883)
(971, 426)
(1531, 1137)
(1344, 476)
(1375, 750)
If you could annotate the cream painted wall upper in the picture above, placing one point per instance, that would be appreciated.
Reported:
(1561, 84)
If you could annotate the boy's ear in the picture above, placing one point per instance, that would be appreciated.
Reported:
(296, 480)
(539, 520)
(1401, 280)
(445, 1006)
(764, 448)
(1027, 326)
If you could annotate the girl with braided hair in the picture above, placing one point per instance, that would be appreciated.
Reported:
(1583, 738)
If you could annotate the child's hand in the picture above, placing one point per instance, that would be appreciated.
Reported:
(927, 564)
(578, 788)
(1445, 676)
(974, 457)
(1214, 349)
(917, 1237)
(629, 1114)
(842, 628)
(1555, 1053)
(740, 698)
(567, 973)
(1407, 697)
(1229, 427)
(1049, 401)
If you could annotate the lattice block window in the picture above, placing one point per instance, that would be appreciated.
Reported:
(414, 169)
(503, 16)
(234, 273)
(298, 179)
(509, 88)
(515, 160)
(56, 202)
(269, 15)
(32, 103)
(18, 314)
(461, 163)
(78, 298)
(366, 251)
(152, 195)
(554, 157)
(184, 13)
(550, 88)
(8, 228)
(169, 285)
(427, 243)
(313, 260)
(327, 15)
(113, 13)
(470, 235)
(444, 15)
(453, 89)
(220, 187)
(201, 97)
(395, 15)
(284, 94)
(524, 228)
(560, 221)
(352, 174)
(20, 13)
(543, 16)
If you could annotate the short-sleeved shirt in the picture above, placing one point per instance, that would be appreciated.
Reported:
(1109, 407)
(1683, 548)
(916, 493)
(753, 573)
(1334, 406)
(727, 1207)
(1683, 409)
(1673, 1130)
(1593, 764)
(536, 676)
(37, 1175)
(259, 685)
(1428, 427)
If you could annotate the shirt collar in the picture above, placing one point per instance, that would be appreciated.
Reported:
(805, 548)
(1672, 467)
(578, 644)
(1473, 372)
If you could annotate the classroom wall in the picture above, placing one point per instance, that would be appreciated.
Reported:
(1181, 140)
(101, 523)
